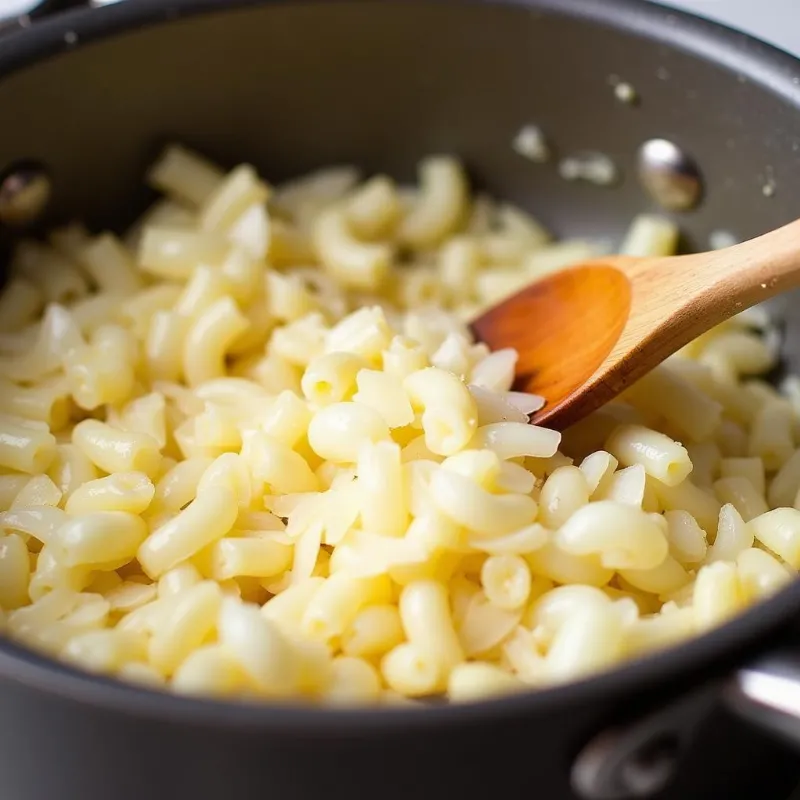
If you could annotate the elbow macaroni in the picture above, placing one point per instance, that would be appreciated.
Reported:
(247, 453)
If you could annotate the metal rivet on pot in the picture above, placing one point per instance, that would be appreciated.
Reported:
(651, 768)
(612, 767)
(669, 175)
(25, 191)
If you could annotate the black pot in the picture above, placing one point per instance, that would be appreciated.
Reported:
(92, 95)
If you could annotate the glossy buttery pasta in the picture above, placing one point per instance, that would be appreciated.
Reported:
(248, 452)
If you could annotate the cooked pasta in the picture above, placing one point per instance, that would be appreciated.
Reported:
(252, 450)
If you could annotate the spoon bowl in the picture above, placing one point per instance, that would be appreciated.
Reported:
(587, 333)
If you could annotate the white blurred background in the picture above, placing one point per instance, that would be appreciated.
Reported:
(777, 21)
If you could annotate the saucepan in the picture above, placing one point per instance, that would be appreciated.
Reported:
(701, 122)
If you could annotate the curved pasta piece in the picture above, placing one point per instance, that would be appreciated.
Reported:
(449, 412)
(360, 265)
(209, 517)
(622, 536)
(441, 207)
(209, 339)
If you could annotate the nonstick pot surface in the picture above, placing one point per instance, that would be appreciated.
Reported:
(292, 86)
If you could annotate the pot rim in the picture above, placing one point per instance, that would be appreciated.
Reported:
(708, 655)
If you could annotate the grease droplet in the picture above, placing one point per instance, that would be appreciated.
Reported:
(626, 93)
(530, 143)
(596, 168)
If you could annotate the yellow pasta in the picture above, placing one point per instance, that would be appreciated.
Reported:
(190, 619)
(10, 487)
(687, 540)
(206, 519)
(102, 372)
(506, 580)
(411, 671)
(563, 493)
(208, 340)
(779, 530)
(470, 682)
(751, 469)
(442, 204)
(556, 564)
(71, 468)
(110, 265)
(210, 670)
(352, 681)
(20, 301)
(742, 494)
(252, 449)
(373, 632)
(784, 486)
(771, 438)
(100, 538)
(588, 639)
(38, 491)
(123, 491)
(621, 536)
(114, 450)
(662, 458)
(174, 253)
(761, 574)
(14, 572)
(48, 401)
(185, 175)
(331, 378)
(25, 447)
(717, 594)
(374, 209)
(254, 556)
(258, 646)
(338, 431)
(650, 235)
(337, 602)
(385, 394)
(232, 198)
(428, 625)
(357, 264)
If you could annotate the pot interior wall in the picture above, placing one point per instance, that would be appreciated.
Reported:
(293, 86)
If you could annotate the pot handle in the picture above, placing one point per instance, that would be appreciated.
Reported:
(767, 694)
(638, 759)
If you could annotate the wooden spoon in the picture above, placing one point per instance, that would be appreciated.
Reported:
(587, 333)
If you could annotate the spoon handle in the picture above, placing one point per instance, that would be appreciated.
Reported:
(673, 301)
(716, 285)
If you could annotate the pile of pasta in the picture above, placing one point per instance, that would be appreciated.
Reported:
(251, 450)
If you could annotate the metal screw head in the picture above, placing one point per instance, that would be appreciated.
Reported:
(669, 175)
(25, 190)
